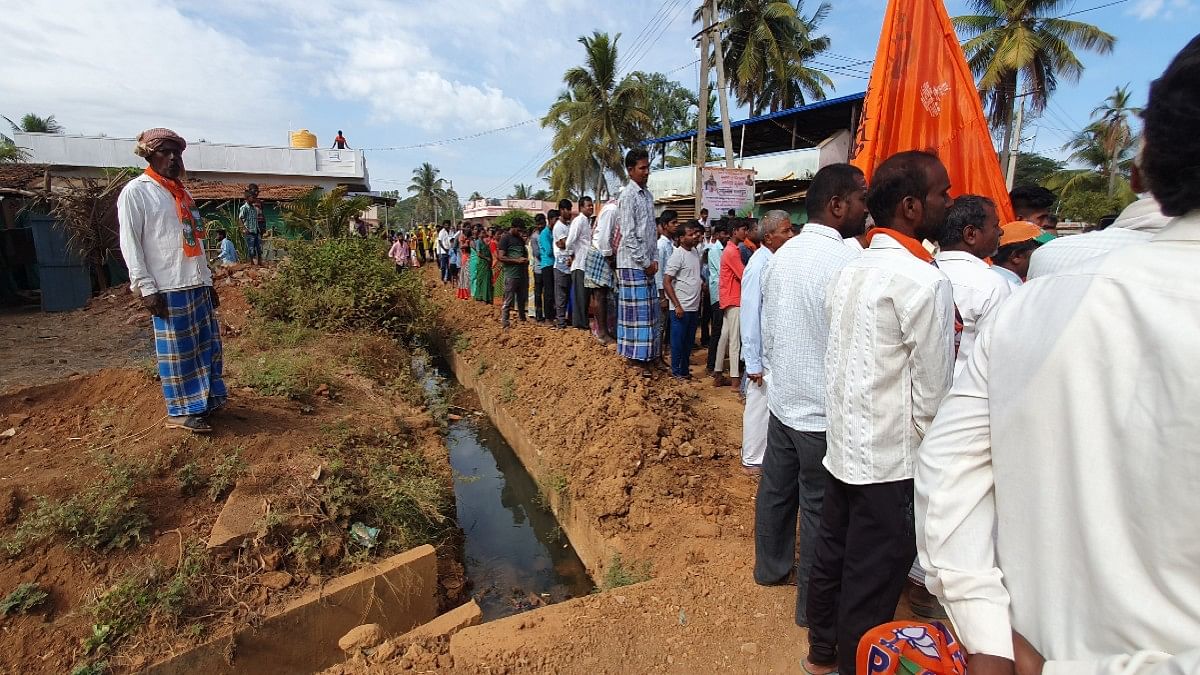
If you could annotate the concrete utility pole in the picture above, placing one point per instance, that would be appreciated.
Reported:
(1015, 147)
(701, 152)
(722, 92)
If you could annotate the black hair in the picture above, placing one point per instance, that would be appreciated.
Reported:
(721, 226)
(445, 222)
(539, 218)
(967, 211)
(668, 215)
(731, 213)
(564, 205)
(1004, 253)
(585, 199)
(904, 174)
(703, 210)
(1105, 221)
(834, 180)
(552, 214)
(1028, 197)
(252, 186)
(634, 156)
(339, 132)
(1051, 220)
(220, 233)
(1169, 128)
(692, 224)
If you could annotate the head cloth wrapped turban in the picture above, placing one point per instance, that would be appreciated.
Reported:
(151, 140)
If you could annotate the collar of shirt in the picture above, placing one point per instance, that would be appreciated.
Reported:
(823, 230)
(961, 256)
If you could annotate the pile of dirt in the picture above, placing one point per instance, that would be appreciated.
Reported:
(67, 434)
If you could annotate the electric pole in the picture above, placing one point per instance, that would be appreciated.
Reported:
(722, 92)
(1015, 147)
(701, 152)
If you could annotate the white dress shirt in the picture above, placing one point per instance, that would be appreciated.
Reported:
(664, 249)
(443, 242)
(1010, 277)
(1056, 493)
(579, 240)
(1137, 224)
(853, 243)
(602, 234)
(751, 315)
(795, 328)
(889, 362)
(977, 291)
(152, 241)
(561, 255)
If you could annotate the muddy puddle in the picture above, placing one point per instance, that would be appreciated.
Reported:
(516, 555)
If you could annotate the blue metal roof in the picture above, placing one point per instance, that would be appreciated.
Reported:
(716, 128)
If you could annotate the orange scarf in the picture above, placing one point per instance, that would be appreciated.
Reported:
(185, 208)
(911, 245)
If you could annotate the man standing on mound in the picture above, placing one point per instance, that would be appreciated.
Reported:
(162, 239)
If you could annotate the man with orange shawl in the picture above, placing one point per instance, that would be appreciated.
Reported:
(162, 240)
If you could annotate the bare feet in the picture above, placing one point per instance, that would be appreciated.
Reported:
(813, 669)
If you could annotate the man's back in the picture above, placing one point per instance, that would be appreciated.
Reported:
(888, 363)
(1137, 224)
(1087, 380)
(795, 327)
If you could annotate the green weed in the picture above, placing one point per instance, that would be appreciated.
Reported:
(25, 597)
(462, 342)
(622, 573)
(91, 668)
(225, 475)
(481, 368)
(277, 373)
(191, 481)
(508, 388)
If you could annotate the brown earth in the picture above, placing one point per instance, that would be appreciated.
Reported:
(65, 428)
(658, 462)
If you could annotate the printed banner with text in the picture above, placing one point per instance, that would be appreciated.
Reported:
(724, 189)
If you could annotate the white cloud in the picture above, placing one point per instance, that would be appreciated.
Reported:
(120, 67)
(1152, 9)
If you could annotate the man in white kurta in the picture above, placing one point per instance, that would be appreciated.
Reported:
(1056, 489)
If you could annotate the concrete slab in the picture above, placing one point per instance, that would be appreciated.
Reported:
(398, 594)
(238, 520)
(463, 616)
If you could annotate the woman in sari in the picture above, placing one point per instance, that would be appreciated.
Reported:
(481, 280)
(463, 250)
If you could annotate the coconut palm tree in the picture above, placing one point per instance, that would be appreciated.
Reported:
(766, 44)
(319, 214)
(34, 124)
(521, 191)
(1117, 136)
(429, 190)
(1023, 46)
(594, 119)
(475, 195)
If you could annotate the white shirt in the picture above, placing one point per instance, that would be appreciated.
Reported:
(889, 362)
(684, 269)
(977, 292)
(853, 243)
(664, 249)
(443, 242)
(152, 241)
(1056, 493)
(751, 314)
(1010, 277)
(561, 255)
(579, 240)
(602, 234)
(795, 328)
(1137, 224)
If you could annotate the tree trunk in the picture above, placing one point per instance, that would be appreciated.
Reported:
(1008, 126)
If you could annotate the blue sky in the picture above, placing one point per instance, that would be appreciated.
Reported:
(400, 73)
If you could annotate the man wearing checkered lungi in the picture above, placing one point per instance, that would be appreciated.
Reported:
(637, 263)
(162, 240)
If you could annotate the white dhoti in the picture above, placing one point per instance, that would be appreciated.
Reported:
(754, 424)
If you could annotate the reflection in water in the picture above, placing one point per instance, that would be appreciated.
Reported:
(517, 557)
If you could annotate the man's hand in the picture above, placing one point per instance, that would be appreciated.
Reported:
(216, 299)
(652, 269)
(1027, 658)
(156, 303)
(986, 664)
(756, 378)
(678, 312)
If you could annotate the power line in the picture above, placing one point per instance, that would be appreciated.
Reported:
(638, 39)
(649, 43)
(445, 141)
(1090, 9)
(531, 161)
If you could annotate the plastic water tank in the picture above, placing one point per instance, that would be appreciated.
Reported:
(303, 139)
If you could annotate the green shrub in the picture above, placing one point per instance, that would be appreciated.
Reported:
(25, 597)
(344, 284)
(104, 516)
(277, 373)
(225, 474)
(621, 573)
(516, 216)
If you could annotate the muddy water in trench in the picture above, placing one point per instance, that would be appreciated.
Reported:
(516, 555)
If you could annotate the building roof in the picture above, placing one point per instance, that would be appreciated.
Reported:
(22, 176)
(215, 190)
(801, 127)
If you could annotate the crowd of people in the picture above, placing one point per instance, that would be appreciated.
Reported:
(1024, 451)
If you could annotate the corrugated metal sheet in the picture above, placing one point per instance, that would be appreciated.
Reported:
(66, 284)
(850, 98)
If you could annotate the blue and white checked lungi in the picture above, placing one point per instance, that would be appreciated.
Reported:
(597, 273)
(637, 316)
(188, 343)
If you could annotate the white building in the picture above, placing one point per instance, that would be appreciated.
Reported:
(221, 162)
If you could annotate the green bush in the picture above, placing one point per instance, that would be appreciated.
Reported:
(345, 284)
(279, 373)
(25, 597)
(516, 216)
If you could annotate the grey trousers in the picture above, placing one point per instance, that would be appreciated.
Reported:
(562, 291)
(579, 310)
(793, 480)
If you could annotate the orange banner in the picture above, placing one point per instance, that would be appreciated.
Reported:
(922, 97)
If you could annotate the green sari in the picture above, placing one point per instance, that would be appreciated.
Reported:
(481, 271)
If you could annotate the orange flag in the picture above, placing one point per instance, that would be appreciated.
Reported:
(922, 97)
